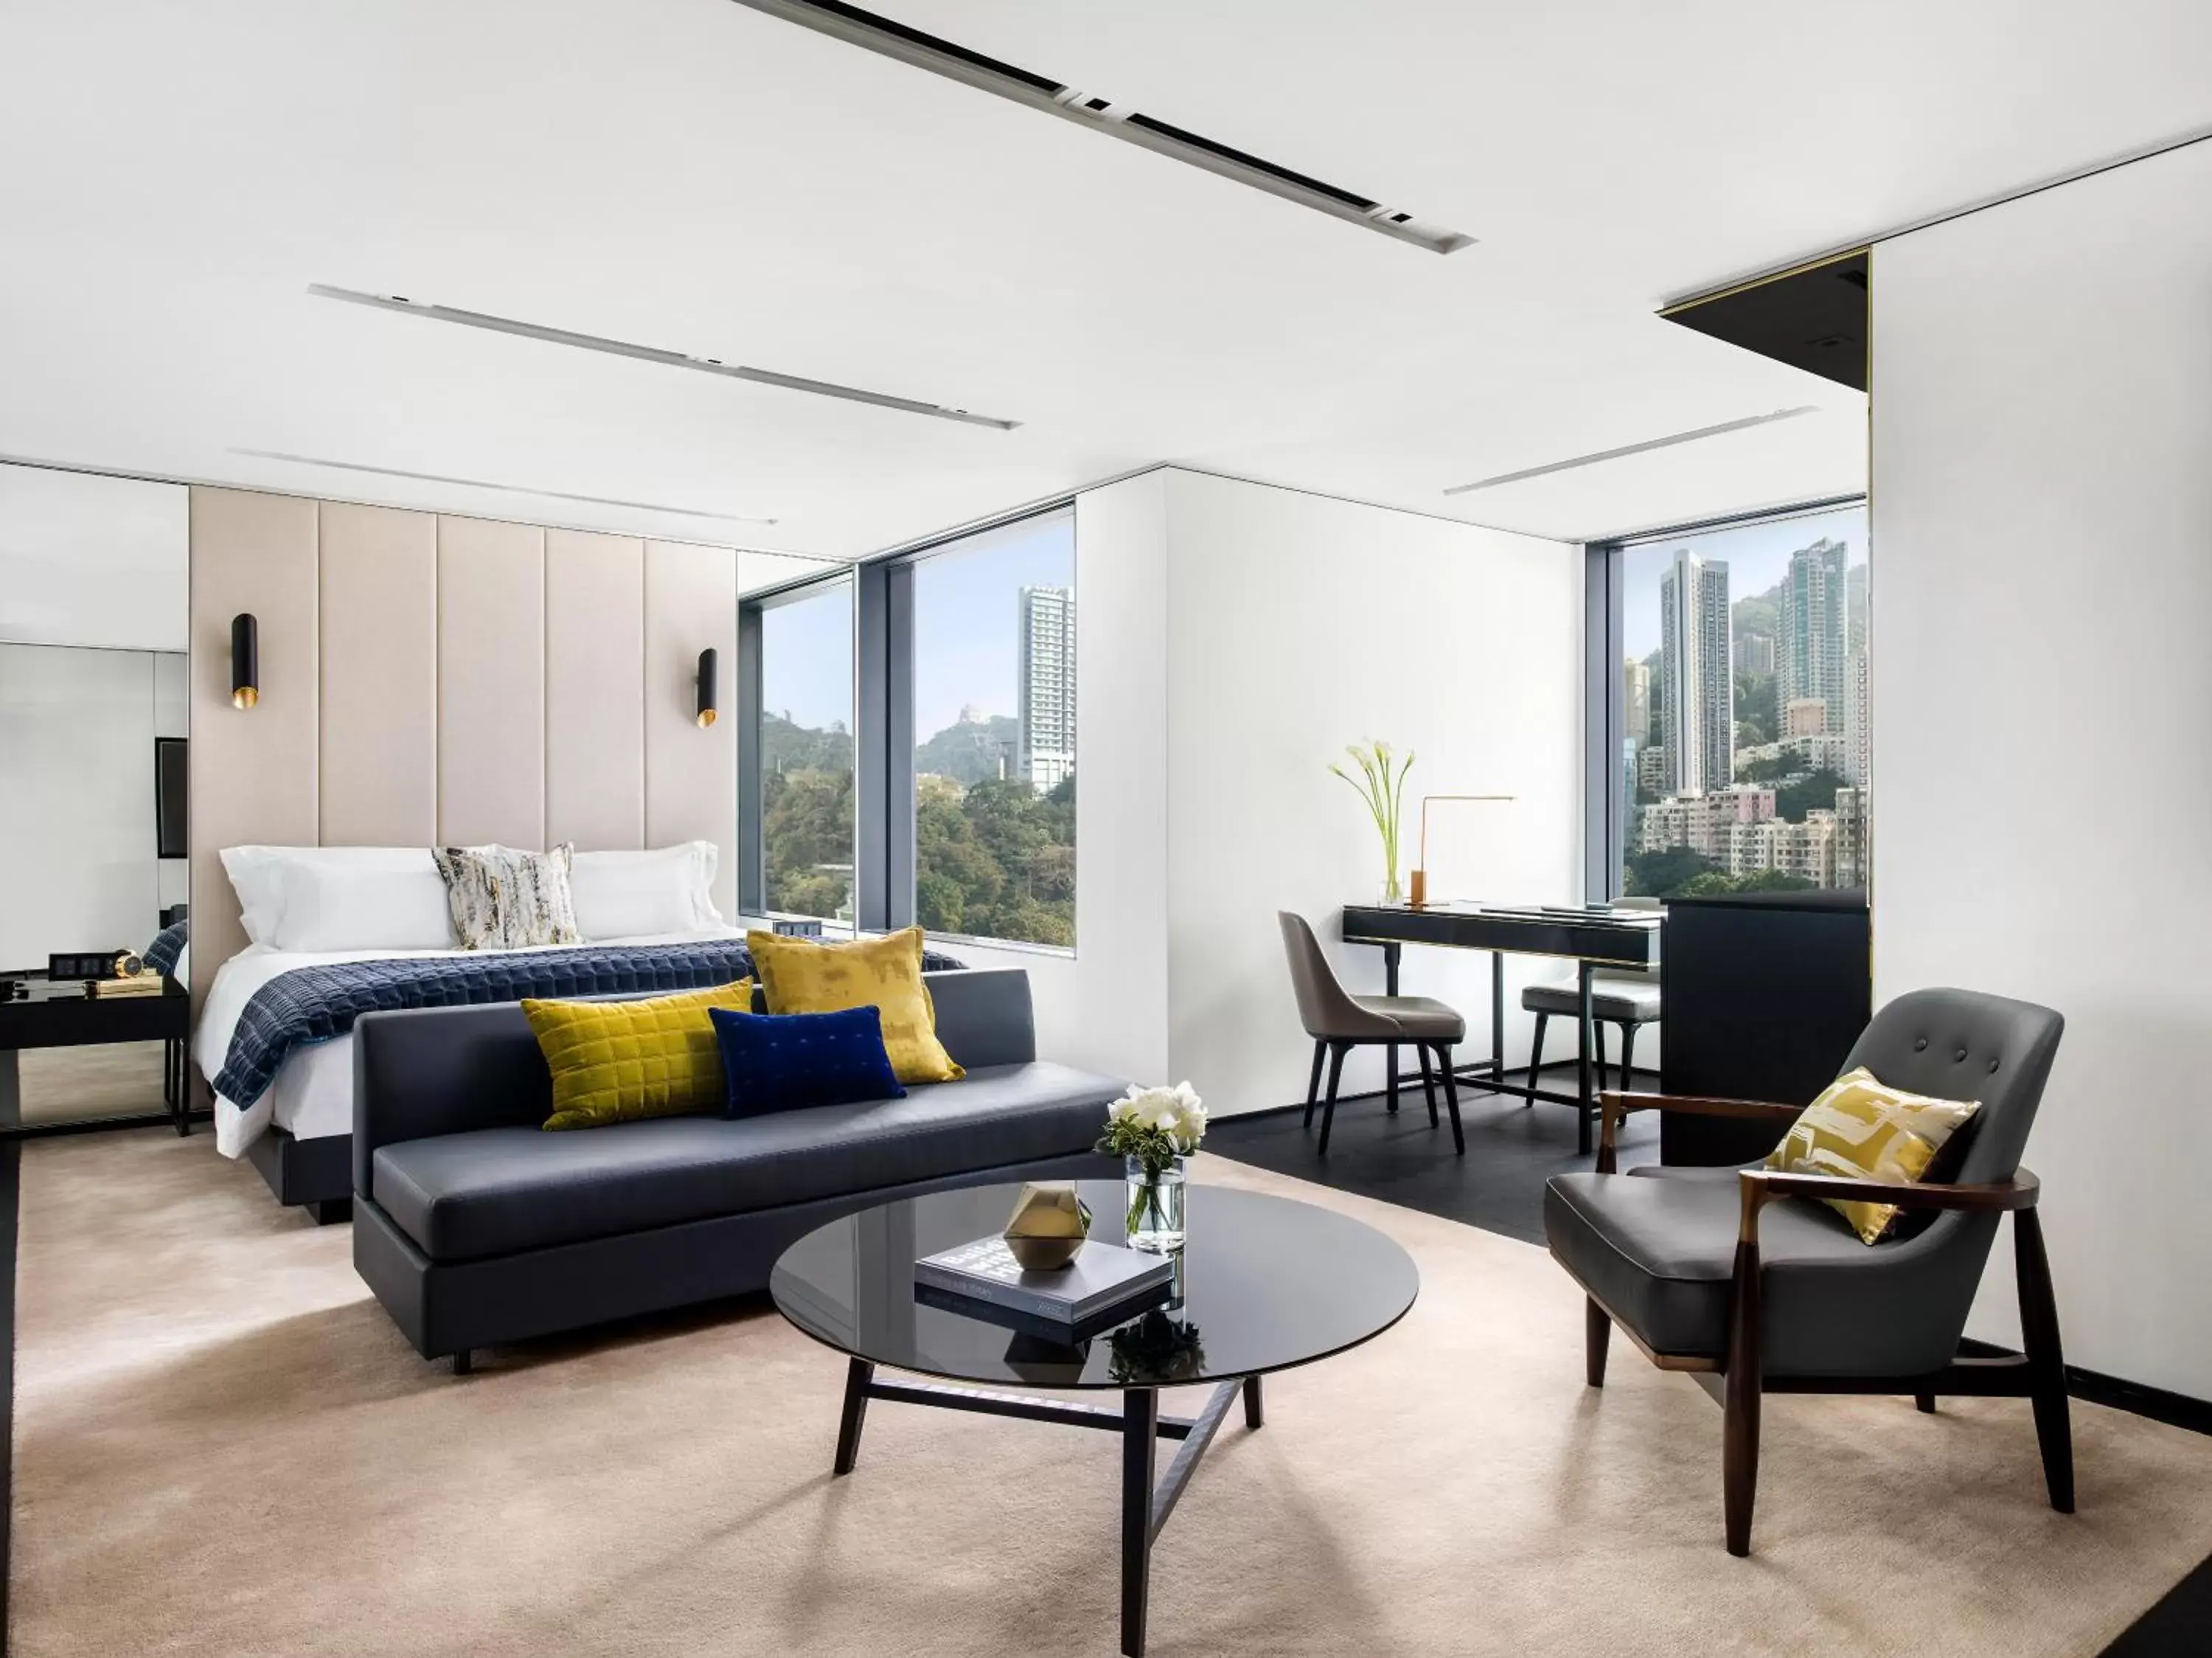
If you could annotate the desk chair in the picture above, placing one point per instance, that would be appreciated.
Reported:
(1626, 996)
(1339, 1022)
(1743, 1272)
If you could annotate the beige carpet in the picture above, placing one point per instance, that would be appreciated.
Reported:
(223, 1447)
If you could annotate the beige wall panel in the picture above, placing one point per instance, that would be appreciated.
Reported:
(380, 676)
(594, 691)
(691, 775)
(254, 770)
(491, 683)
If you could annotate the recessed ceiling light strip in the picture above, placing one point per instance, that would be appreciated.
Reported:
(1644, 447)
(550, 335)
(503, 489)
(894, 40)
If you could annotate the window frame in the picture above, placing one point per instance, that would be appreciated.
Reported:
(890, 676)
(885, 866)
(751, 688)
(1605, 711)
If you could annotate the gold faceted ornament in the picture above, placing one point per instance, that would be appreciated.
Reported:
(1049, 1225)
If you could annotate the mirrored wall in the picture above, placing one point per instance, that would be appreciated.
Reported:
(93, 776)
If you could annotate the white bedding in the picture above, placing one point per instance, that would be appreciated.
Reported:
(312, 1094)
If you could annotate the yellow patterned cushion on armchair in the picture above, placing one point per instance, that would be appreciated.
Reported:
(1861, 1129)
(800, 975)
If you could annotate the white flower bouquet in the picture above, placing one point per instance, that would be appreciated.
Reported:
(1152, 1129)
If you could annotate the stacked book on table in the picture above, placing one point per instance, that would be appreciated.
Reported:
(1103, 1285)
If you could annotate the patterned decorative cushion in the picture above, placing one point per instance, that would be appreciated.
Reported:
(1862, 1129)
(505, 900)
(615, 1062)
(800, 975)
(785, 1062)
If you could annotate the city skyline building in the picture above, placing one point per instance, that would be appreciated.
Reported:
(1046, 755)
(1858, 723)
(1697, 673)
(1814, 614)
(1805, 716)
(1635, 695)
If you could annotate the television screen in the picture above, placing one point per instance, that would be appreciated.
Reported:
(169, 797)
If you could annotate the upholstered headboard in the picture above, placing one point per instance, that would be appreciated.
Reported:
(430, 679)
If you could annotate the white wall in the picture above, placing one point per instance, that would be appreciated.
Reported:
(757, 571)
(86, 560)
(77, 803)
(1104, 1008)
(2042, 516)
(1225, 653)
(1297, 625)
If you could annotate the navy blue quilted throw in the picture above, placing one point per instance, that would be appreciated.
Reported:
(168, 944)
(787, 1061)
(308, 1005)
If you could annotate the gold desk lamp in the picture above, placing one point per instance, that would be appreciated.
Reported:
(1417, 890)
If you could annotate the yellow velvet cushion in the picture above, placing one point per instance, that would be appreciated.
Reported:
(616, 1061)
(1862, 1129)
(800, 975)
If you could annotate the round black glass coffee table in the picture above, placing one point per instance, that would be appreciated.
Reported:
(1263, 1284)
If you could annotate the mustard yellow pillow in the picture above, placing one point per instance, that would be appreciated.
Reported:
(800, 975)
(1862, 1129)
(616, 1061)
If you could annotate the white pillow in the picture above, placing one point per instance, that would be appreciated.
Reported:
(637, 895)
(255, 876)
(341, 897)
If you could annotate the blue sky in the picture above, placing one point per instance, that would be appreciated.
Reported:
(967, 628)
(1757, 556)
(967, 646)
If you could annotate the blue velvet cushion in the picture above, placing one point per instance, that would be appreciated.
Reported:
(782, 1062)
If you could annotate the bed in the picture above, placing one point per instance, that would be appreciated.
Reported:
(297, 1129)
(339, 931)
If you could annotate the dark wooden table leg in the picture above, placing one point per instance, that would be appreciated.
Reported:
(859, 1373)
(1141, 1427)
(1582, 1063)
(1254, 1415)
(1498, 1017)
(1390, 956)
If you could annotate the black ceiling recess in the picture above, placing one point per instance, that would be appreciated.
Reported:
(1814, 317)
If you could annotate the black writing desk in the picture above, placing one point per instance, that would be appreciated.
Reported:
(1591, 938)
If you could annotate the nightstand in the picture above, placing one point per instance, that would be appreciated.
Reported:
(61, 1015)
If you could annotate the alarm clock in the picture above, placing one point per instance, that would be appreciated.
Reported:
(86, 964)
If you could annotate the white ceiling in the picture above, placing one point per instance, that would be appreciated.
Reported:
(692, 174)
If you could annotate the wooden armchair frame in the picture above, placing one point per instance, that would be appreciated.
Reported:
(2039, 1375)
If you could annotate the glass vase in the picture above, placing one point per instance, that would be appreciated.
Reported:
(1155, 1207)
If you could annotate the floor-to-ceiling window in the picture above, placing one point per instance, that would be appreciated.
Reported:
(1744, 742)
(995, 730)
(807, 753)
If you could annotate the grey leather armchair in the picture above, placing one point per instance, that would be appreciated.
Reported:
(1743, 1272)
(1339, 1022)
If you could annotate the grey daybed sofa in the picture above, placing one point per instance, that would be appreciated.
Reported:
(474, 1225)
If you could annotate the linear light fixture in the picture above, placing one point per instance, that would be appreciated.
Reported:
(1040, 92)
(1644, 447)
(705, 365)
(503, 489)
